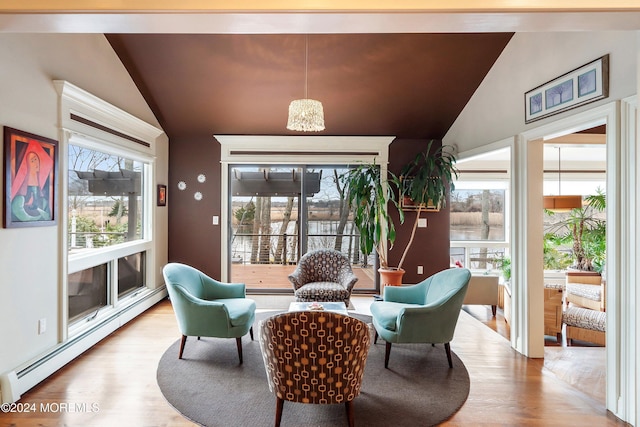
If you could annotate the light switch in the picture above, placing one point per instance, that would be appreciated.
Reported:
(216, 220)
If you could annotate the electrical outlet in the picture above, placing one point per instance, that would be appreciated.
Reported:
(216, 220)
(42, 326)
(422, 222)
(420, 269)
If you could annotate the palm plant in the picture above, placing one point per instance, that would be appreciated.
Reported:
(553, 258)
(585, 232)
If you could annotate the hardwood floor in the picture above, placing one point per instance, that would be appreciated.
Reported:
(582, 365)
(119, 376)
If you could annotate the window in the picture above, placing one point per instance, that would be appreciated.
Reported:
(477, 215)
(87, 291)
(131, 270)
(478, 224)
(106, 193)
(105, 199)
(263, 175)
(109, 162)
(279, 213)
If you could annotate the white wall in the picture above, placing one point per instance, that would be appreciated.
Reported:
(496, 110)
(495, 115)
(30, 257)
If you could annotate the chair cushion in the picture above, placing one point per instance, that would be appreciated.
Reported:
(592, 292)
(386, 313)
(585, 318)
(241, 310)
(322, 291)
(555, 285)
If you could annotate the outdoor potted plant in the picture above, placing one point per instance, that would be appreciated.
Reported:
(585, 232)
(426, 180)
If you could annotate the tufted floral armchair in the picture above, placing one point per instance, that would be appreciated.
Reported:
(323, 275)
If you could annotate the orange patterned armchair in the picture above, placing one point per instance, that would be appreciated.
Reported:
(314, 357)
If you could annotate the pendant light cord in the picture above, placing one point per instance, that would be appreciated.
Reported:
(559, 174)
(306, 64)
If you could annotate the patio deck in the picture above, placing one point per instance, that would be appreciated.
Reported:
(274, 276)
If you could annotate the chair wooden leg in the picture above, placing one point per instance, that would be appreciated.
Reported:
(251, 332)
(239, 345)
(350, 415)
(279, 406)
(182, 342)
(448, 350)
(375, 336)
(494, 309)
(387, 351)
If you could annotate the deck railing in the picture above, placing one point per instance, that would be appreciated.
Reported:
(283, 248)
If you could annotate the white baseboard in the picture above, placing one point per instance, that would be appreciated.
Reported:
(13, 384)
(8, 387)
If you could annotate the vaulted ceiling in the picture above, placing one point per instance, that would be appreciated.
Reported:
(404, 85)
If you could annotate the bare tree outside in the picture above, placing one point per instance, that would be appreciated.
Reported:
(484, 228)
(343, 210)
(280, 254)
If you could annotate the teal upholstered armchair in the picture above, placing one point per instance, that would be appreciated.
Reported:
(205, 307)
(423, 313)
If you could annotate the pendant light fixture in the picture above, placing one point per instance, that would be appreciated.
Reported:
(306, 115)
(561, 203)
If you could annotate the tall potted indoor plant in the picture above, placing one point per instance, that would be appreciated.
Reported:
(369, 194)
(425, 180)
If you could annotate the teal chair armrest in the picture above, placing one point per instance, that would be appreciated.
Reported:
(412, 294)
(214, 289)
(198, 317)
(440, 318)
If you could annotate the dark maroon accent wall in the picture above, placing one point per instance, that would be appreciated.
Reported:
(193, 239)
(430, 247)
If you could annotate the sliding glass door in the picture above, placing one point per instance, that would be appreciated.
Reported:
(278, 213)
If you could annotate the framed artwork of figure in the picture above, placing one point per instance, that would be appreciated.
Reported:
(30, 179)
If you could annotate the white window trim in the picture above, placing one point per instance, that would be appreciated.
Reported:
(282, 150)
(78, 102)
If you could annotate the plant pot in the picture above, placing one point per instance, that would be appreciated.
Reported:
(390, 277)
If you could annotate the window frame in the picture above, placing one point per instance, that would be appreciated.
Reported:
(493, 183)
(89, 122)
(238, 150)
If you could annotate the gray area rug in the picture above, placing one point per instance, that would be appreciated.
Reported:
(210, 388)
